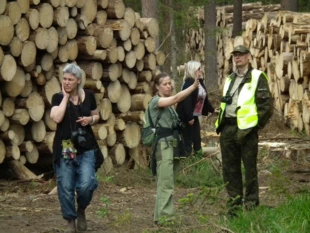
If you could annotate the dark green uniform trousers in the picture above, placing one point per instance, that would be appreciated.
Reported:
(236, 146)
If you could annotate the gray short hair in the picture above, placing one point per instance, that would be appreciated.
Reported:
(74, 70)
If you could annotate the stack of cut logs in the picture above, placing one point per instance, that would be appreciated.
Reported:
(114, 46)
(279, 42)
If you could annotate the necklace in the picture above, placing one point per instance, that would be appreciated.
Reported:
(72, 98)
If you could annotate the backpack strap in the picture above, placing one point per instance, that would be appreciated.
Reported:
(157, 119)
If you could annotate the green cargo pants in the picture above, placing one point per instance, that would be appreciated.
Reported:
(236, 146)
(167, 169)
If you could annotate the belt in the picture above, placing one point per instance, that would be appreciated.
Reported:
(231, 120)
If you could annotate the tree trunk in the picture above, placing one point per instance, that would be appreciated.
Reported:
(21, 172)
(289, 5)
(117, 154)
(150, 10)
(237, 19)
(173, 44)
(210, 46)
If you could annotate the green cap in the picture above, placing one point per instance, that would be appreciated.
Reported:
(241, 49)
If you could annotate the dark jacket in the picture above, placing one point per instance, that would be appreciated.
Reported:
(185, 108)
(263, 99)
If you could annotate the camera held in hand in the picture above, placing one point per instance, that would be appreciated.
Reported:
(227, 99)
(78, 137)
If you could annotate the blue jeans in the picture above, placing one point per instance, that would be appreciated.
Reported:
(76, 175)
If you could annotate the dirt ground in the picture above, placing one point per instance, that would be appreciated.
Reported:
(128, 200)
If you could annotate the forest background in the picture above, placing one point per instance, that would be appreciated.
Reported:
(175, 17)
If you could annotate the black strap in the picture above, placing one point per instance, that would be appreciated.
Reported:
(233, 82)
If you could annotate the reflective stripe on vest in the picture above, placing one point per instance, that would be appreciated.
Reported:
(247, 115)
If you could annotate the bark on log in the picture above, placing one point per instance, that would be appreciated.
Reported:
(87, 45)
(150, 25)
(2, 151)
(21, 172)
(139, 101)
(92, 70)
(115, 9)
(140, 155)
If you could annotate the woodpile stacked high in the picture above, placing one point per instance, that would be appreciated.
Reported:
(114, 46)
(279, 42)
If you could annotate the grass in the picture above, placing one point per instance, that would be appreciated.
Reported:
(202, 209)
(293, 216)
(204, 172)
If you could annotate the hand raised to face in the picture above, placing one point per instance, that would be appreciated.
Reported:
(66, 94)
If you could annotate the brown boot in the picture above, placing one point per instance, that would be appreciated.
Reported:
(81, 220)
(71, 226)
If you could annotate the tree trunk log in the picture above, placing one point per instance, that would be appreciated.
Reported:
(21, 172)
(117, 154)
(140, 155)
(130, 136)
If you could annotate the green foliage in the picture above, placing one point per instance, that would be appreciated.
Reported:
(278, 183)
(293, 216)
(203, 173)
(104, 210)
(123, 219)
(105, 179)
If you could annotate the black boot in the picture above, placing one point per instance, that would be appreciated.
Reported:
(81, 220)
(71, 226)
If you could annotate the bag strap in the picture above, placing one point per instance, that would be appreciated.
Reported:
(157, 119)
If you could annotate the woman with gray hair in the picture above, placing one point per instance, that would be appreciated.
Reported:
(192, 107)
(74, 147)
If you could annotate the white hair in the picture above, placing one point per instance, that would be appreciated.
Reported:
(190, 68)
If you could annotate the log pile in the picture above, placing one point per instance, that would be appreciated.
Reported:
(279, 42)
(113, 45)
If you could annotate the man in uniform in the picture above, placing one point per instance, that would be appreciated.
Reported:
(245, 108)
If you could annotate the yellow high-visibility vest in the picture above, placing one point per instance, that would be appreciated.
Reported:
(247, 115)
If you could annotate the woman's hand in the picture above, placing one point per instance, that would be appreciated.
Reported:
(191, 122)
(65, 94)
(84, 120)
(196, 83)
